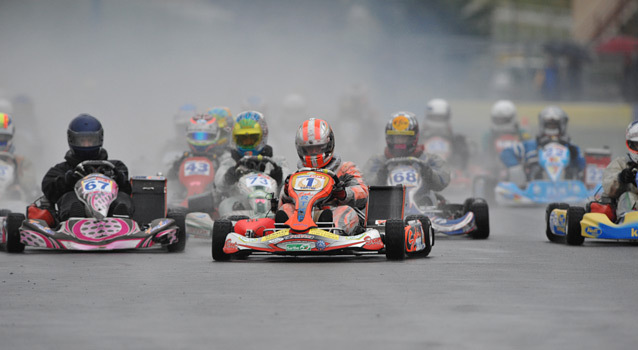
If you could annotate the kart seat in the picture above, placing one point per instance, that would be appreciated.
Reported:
(385, 202)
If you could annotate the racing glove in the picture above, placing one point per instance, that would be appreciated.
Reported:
(627, 176)
(426, 171)
(339, 192)
(286, 185)
(71, 177)
(230, 177)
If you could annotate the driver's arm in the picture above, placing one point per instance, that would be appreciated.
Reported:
(440, 177)
(121, 176)
(54, 183)
(356, 190)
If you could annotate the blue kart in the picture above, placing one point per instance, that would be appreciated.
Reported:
(554, 187)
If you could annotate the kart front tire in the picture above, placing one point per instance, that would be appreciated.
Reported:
(179, 215)
(13, 244)
(550, 235)
(394, 240)
(481, 219)
(221, 229)
(574, 216)
(427, 231)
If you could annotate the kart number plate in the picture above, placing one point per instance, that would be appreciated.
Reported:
(309, 183)
(97, 185)
(439, 146)
(196, 168)
(593, 174)
(257, 180)
(404, 175)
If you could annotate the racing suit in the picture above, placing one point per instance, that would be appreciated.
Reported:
(435, 171)
(58, 189)
(626, 195)
(347, 214)
(522, 163)
(24, 183)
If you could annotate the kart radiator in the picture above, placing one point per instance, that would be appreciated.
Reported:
(149, 198)
(385, 202)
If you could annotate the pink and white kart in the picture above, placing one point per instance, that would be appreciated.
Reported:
(310, 189)
(98, 231)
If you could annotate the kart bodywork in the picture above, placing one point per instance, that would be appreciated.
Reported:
(303, 235)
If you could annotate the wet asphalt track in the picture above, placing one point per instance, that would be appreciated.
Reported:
(513, 291)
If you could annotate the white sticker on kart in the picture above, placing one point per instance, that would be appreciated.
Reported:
(257, 180)
(593, 174)
(404, 175)
(97, 185)
(196, 167)
(309, 183)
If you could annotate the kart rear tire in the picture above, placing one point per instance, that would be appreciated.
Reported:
(574, 216)
(13, 244)
(394, 240)
(427, 230)
(237, 217)
(179, 215)
(221, 229)
(484, 186)
(481, 219)
(551, 236)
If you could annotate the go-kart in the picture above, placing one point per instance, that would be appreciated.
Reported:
(250, 197)
(470, 218)
(382, 231)
(12, 196)
(99, 230)
(492, 170)
(449, 148)
(553, 186)
(572, 224)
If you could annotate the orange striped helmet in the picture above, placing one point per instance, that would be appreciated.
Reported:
(315, 143)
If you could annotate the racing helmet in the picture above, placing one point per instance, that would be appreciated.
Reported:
(250, 133)
(631, 140)
(224, 121)
(402, 134)
(438, 110)
(552, 122)
(315, 143)
(85, 136)
(204, 134)
(503, 114)
(7, 129)
(182, 118)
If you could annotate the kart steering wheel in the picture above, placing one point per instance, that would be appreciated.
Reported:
(95, 166)
(252, 163)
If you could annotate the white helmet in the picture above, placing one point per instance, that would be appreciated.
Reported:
(503, 115)
(631, 140)
(552, 121)
(438, 110)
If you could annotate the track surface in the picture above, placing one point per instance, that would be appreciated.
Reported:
(513, 291)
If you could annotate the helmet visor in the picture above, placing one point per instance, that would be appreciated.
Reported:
(632, 145)
(247, 140)
(85, 139)
(552, 127)
(200, 136)
(313, 150)
(501, 119)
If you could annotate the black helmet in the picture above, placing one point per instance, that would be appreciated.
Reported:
(402, 134)
(85, 136)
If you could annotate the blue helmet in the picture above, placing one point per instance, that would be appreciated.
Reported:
(85, 136)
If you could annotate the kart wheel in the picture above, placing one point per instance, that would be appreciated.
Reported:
(481, 219)
(13, 244)
(574, 216)
(394, 240)
(179, 215)
(427, 230)
(221, 229)
(551, 236)
(483, 187)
